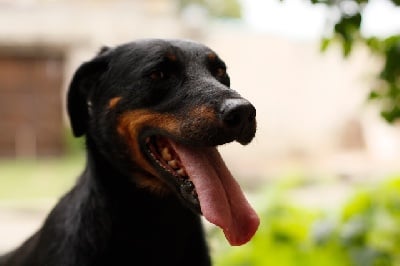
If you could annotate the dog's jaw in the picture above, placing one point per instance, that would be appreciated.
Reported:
(200, 178)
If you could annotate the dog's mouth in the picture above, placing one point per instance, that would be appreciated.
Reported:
(202, 180)
(165, 156)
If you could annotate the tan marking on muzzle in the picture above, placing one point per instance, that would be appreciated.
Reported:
(204, 112)
(130, 124)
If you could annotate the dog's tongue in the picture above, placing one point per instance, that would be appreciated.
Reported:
(222, 201)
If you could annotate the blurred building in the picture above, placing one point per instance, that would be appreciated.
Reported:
(42, 42)
(30, 105)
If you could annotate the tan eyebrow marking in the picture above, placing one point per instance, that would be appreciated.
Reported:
(212, 56)
(113, 102)
(171, 56)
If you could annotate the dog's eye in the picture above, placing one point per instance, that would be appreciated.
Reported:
(157, 75)
(220, 72)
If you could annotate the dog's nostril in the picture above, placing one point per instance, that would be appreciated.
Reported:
(237, 113)
(232, 119)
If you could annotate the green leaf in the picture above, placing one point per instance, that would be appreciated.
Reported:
(325, 42)
(373, 95)
(347, 47)
(375, 44)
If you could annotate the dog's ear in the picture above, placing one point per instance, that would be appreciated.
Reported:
(83, 82)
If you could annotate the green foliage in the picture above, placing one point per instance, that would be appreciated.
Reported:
(346, 30)
(371, 226)
(365, 232)
(217, 8)
(389, 90)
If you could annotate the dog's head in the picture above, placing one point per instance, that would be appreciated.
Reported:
(156, 109)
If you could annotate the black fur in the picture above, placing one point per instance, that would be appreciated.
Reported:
(110, 217)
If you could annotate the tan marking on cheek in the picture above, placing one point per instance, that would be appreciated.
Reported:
(113, 102)
(130, 125)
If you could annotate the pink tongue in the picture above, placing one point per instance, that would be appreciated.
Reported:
(221, 200)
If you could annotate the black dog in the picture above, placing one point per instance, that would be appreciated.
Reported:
(152, 112)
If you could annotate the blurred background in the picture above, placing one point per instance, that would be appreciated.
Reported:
(324, 169)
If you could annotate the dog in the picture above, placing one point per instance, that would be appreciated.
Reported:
(152, 112)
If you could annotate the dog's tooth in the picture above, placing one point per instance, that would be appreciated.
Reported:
(173, 164)
(166, 155)
(181, 172)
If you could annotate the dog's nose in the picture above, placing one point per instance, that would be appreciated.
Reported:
(238, 114)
